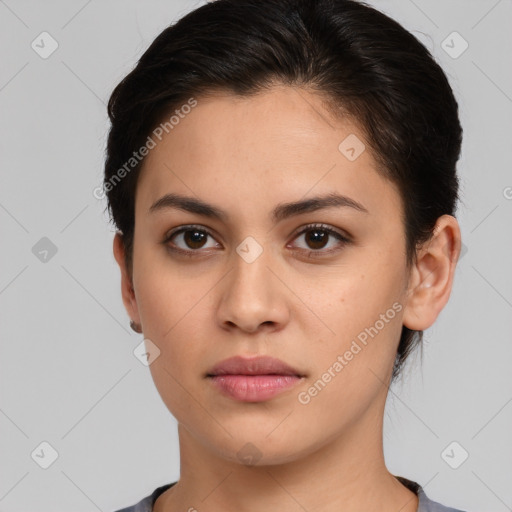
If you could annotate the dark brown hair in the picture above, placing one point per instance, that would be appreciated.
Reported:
(364, 63)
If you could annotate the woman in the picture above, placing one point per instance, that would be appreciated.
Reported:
(282, 177)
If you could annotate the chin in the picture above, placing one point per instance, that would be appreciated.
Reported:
(259, 449)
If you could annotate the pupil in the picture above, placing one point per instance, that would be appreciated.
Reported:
(319, 238)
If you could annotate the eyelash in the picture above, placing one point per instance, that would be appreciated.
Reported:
(310, 227)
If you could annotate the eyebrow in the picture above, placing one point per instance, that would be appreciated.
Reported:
(280, 212)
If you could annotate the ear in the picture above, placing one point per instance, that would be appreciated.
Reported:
(127, 291)
(431, 278)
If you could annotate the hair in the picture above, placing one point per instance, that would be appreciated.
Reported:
(365, 66)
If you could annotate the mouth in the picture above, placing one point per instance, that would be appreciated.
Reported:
(261, 365)
(253, 380)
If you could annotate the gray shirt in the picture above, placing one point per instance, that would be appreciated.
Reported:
(425, 504)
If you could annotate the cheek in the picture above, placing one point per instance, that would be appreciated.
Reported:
(350, 299)
(352, 366)
(362, 309)
(172, 305)
(174, 323)
(164, 293)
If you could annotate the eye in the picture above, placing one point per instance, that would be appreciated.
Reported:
(318, 237)
(189, 239)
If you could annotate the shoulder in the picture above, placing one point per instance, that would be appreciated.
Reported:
(146, 504)
(425, 504)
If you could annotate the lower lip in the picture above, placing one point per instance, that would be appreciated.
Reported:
(253, 388)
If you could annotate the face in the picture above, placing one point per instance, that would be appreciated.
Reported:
(320, 286)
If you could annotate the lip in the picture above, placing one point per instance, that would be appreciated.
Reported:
(259, 365)
(253, 379)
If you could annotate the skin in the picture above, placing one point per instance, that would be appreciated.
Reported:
(246, 156)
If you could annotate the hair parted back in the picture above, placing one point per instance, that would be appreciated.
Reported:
(364, 64)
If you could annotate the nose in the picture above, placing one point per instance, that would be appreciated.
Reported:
(252, 297)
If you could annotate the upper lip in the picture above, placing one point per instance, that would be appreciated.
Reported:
(260, 365)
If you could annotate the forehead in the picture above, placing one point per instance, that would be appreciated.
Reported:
(276, 145)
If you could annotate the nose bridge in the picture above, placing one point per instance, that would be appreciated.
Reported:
(251, 295)
(250, 275)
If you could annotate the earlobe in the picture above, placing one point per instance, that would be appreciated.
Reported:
(127, 291)
(432, 275)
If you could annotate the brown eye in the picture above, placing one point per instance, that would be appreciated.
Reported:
(194, 239)
(318, 237)
(189, 239)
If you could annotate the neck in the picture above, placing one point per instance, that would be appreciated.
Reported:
(346, 473)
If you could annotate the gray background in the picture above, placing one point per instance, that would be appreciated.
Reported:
(68, 375)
